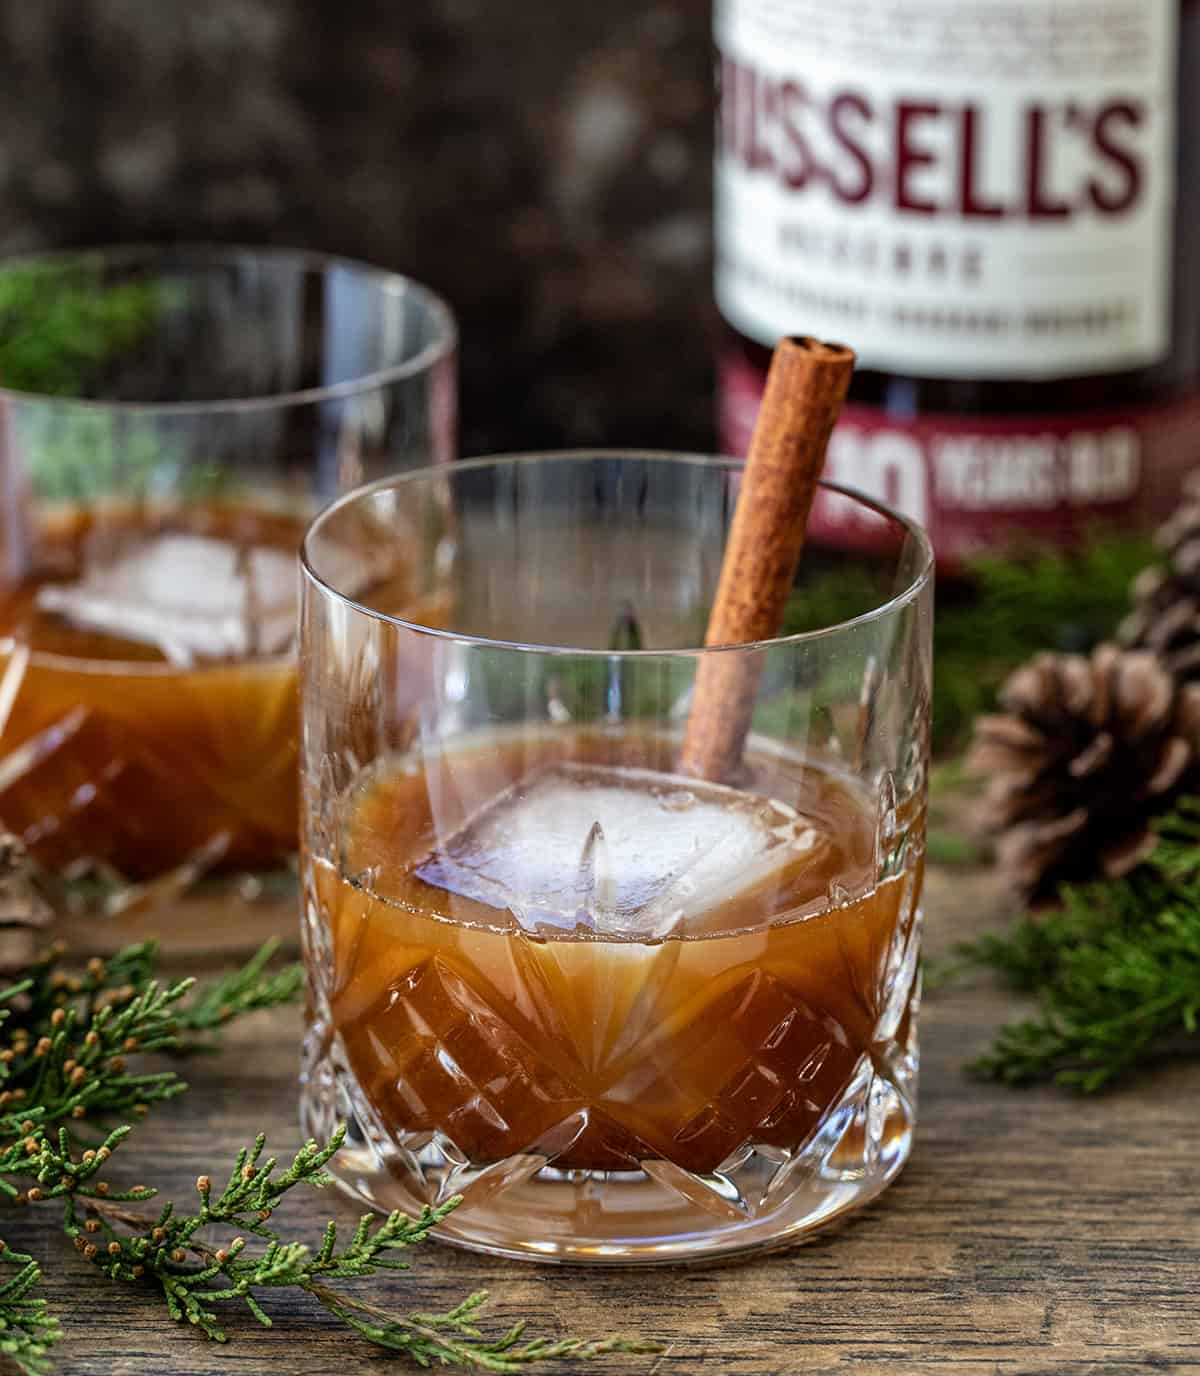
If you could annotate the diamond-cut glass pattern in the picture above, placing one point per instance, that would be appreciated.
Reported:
(146, 770)
(728, 1100)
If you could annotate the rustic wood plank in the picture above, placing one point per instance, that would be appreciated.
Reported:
(1031, 1235)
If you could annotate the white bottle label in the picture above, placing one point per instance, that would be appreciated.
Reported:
(957, 188)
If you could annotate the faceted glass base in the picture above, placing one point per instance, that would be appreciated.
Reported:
(523, 1207)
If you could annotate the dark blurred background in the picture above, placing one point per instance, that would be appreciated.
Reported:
(545, 164)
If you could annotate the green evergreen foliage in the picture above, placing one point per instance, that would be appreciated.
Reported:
(1006, 609)
(1115, 971)
(1016, 606)
(59, 328)
(71, 1093)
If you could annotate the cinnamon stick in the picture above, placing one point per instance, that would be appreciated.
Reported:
(805, 388)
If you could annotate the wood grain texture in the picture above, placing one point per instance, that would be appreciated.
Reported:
(1031, 1235)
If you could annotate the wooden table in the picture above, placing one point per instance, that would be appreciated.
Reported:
(1031, 1234)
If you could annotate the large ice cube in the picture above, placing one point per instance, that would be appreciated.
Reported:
(193, 597)
(615, 850)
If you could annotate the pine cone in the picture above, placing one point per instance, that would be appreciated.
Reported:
(1086, 753)
(1166, 598)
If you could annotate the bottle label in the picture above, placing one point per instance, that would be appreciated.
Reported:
(979, 483)
(956, 188)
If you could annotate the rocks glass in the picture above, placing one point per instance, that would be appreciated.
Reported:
(627, 1014)
(173, 418)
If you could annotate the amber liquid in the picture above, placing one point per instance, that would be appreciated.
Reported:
(112, 753)
(744, 1025)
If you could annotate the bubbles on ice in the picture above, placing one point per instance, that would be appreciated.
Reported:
(616, 850)
(194, 597)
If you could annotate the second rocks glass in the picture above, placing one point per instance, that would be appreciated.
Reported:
(172, 420)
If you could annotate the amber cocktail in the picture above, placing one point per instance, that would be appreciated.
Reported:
(626, 1013)
(157, 477)
(153, 690)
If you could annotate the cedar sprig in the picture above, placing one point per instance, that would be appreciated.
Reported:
(60, 1170)
(67, 1037)
(1116, 971)
(72, 1064)
(66, 1043)
(173, 1251)
(246, 990)
(28, 1330)
(452, 1339)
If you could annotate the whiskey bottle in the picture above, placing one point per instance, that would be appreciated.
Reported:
(997, 203)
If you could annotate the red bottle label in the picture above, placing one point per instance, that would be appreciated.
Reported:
(983, 482)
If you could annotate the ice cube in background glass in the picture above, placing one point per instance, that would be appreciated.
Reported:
(625, 852)
(192, 597)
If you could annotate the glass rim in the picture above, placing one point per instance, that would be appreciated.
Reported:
(134, 668)
(904, 597)
(202, 251)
